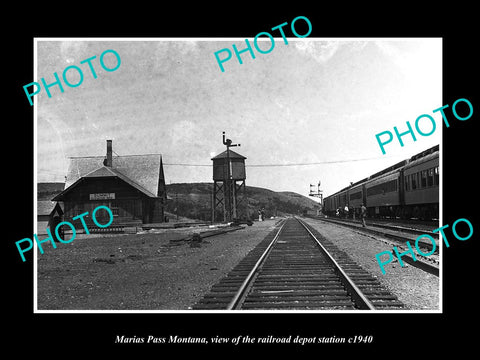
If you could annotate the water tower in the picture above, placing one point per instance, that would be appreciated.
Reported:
(229, 184)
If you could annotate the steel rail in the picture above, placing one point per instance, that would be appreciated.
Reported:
(418, 262)
(360, 299)
(243, 287)
(379, 227)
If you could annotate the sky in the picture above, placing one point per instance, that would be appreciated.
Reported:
(303, 113)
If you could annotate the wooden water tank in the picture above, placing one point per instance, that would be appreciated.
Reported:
(237, 166)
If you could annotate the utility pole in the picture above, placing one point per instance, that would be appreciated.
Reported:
(317, 193)
(176, 203)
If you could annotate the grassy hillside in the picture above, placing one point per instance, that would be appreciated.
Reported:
(46, 191)
(193, 200)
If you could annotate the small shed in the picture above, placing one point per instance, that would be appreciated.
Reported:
(49, 214)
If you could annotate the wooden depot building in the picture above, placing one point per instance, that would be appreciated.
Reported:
(132, 186)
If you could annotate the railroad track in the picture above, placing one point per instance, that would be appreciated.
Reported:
(380, 225)
(295, 268)
(400, 237)
(398, 233)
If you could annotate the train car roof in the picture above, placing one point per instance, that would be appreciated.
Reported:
(382, 178)
(389, 169)
(424, 153)
(422, 159)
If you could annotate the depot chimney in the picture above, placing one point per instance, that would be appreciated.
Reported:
(109, 154)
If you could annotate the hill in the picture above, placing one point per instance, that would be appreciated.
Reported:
(48, 190)
(193, 200)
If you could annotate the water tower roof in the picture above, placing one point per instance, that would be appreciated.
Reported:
(232, 155)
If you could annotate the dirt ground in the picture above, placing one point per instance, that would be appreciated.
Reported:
(139, 271)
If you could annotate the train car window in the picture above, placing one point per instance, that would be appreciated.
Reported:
(430, 177)
(355, 196)
(414, 181)
(436, 176)
(423, 178)
(407, 183)
(391, 186)
(383, 188)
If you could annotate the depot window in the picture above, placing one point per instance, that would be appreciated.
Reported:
(113, 207)
(78, 208)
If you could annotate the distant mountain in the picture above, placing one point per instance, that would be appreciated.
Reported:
(48, 190)
(193, 200)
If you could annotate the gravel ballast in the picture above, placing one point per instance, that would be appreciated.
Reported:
(417, 289)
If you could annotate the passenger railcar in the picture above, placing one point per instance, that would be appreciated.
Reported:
(328, 204)
(422, 180)
(356, 197)
(383, 195)
(408, 189)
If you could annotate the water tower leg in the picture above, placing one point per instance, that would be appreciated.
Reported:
(212, 203)
(234, 200)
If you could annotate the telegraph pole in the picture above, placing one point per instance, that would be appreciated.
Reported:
(317, 193)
